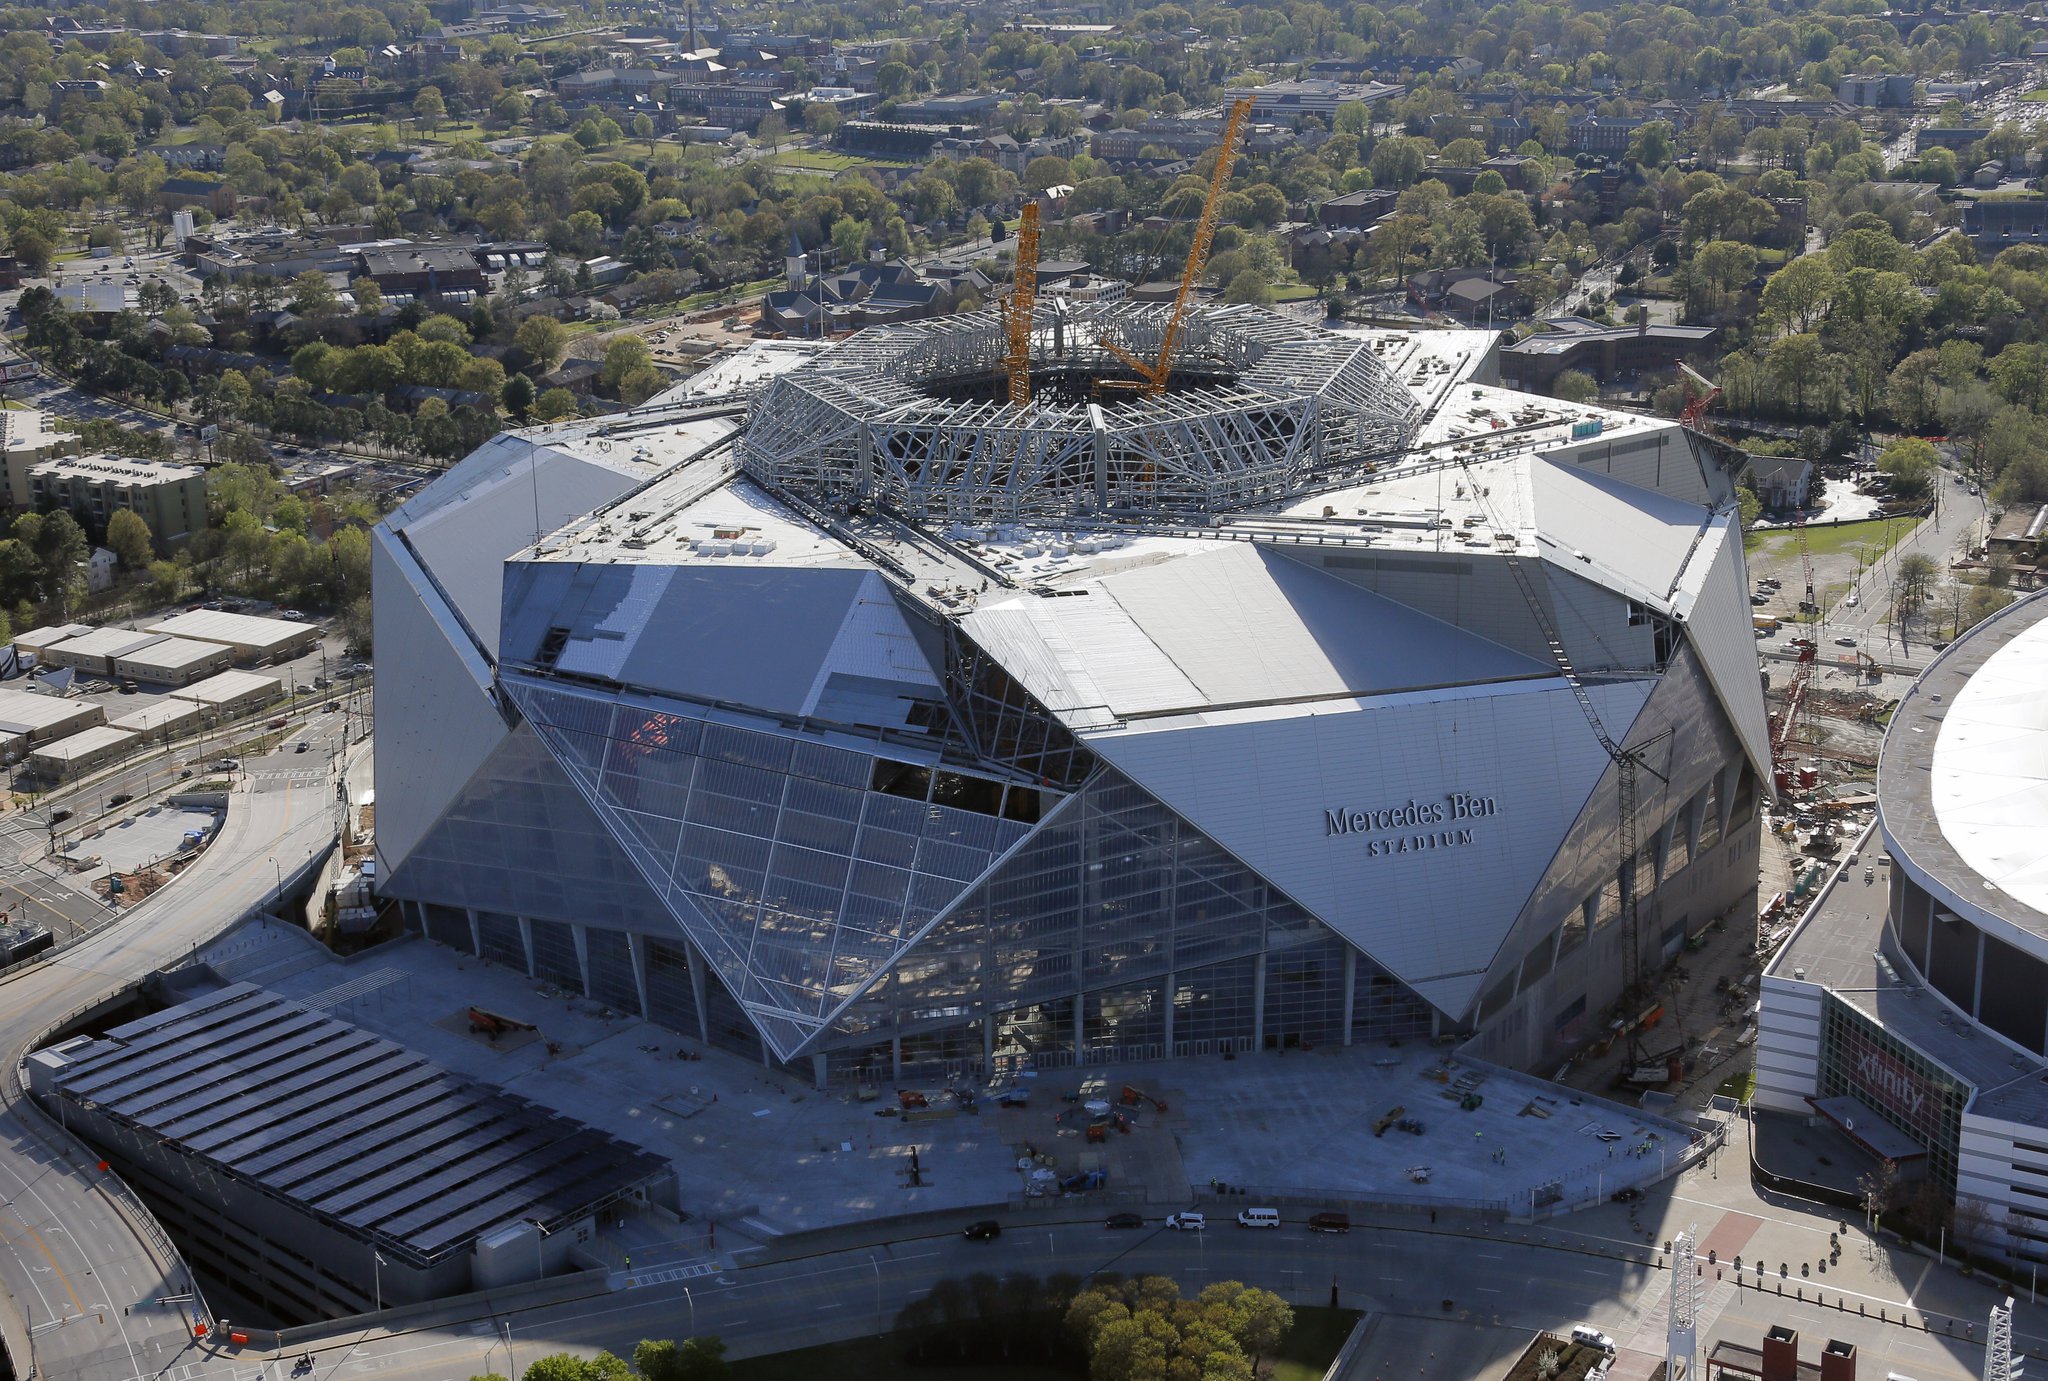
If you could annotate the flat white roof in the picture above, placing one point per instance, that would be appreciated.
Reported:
(25, 712)
(106, 642)
(1989, 782)
(172, 652)
(85, 744)
(164, 713)
(54, 633)
(238, 630)
(228, 685)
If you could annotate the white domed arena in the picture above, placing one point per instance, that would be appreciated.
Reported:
(834, 709)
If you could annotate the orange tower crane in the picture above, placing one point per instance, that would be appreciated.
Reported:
(1017, 310)
(1153, 374)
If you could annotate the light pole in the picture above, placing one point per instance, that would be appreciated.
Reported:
(878, 1283)
(691, 1300)
(377, 1271)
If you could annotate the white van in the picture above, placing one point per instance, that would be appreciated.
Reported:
(1187, 1222)
(1258, 1218)
(1588, 1336)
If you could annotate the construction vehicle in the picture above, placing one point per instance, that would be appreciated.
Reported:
(1017, 308)
(1387, 1119)
(1134, 1096)
(1154, 374)
(482, 1023)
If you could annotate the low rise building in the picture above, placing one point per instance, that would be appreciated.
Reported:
(81, 752)
(94, 652)
(42, 718)
(1605, 352)
(37, 641)
(252, 638)
(423, 270)
(169, 661)
(233, 692)
(1286, 100)
(163, 721)
(1995, 223)
(170, 498)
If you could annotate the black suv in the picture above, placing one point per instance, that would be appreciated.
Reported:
(1125, 1220)
(983, 1231)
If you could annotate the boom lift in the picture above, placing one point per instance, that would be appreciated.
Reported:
(1706, 394)
(1153, 374)
(1017, 309)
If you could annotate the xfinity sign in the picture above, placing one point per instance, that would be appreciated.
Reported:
(1428, 824)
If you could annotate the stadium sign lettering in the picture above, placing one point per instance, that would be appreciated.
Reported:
(1417, 816)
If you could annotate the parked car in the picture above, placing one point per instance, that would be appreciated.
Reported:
(987, 1230)
(1124, 1220)
(1187, 1222)
(1329, 1222)
(60, 815)
(120, 798)
(1626, 1195)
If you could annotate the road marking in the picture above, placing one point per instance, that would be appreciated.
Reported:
(75, 1302)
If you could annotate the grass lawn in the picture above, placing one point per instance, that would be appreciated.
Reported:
(1293, 292)
(454, 132)
(1877, 533)
(2039, 93)
(820, 161)
(1315, 1338)
(1738, 1086)
(876, 1359)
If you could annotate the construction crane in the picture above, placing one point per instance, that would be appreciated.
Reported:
(1153, 374)
(1705, 393)
(1017, 308)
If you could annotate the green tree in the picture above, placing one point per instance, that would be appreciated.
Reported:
(1575, 386)
(166, 581)
(312, 295)
(1799, 294)
(623, 354)
(696, 1359)
(1651, 145)
(544, 340)
(517, 396)
(429, 108)
(563, 1366)
(1399, 161)
(554, 405)
(129, 538)
(1910, 464)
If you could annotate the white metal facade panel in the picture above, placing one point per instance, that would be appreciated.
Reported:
(1434, 913)
(1248, 626)
(500, 506)
(449, 725)
(1721, 628)
(1788, 1044)
(874, 643)
(1989, 783)
(1635, 540)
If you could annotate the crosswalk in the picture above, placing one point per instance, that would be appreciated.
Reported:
(640, 1280)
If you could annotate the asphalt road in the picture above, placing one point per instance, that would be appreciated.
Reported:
(75, 1262)
(1940, 538)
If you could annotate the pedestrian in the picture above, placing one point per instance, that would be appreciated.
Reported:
(629, 1263)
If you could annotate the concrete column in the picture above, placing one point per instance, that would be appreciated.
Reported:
(819, 1074)
(526, 946)
(988, 1045)
(580, 934)
(1080, 1028)
(636, 950)
(476, 932)
(1259, 1003)
(896, 1057)
(1350, 989)
(1172, 982)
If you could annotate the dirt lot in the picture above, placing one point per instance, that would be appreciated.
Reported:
(1839, 555)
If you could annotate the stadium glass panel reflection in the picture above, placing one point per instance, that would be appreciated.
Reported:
(800, 869)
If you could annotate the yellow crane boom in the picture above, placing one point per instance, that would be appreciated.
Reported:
(1153, 374)
(1017, 311)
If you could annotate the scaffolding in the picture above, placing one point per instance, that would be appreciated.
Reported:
(917, 416)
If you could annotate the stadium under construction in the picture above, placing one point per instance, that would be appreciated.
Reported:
(838, 708)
